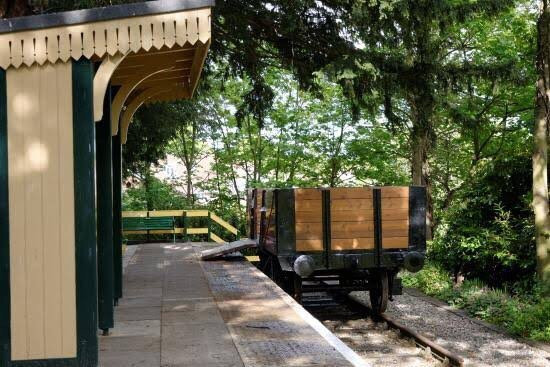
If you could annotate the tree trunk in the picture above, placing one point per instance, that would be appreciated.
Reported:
(148, 194)
(420, 174)
(422, 106)
(540, 151)
(189, 179)
(336, 159)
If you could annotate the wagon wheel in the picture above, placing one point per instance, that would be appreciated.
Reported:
(264, 262)
(297, 288)
(345, 282)
(379, 292)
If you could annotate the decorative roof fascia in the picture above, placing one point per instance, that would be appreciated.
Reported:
(98, 38)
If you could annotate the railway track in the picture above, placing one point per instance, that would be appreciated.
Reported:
(381, 340)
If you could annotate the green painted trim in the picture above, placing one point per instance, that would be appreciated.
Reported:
(327, 235)
(377, 209)
(5, 331)
(104, 185)
(417, 218)
(117, 215)
(286, 224)
(253, 215)
(85, 215)
(58, 362)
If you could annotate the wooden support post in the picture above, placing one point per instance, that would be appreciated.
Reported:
(117, 207)
(117, 216)
(185, 227)
(5, 314)
(209, 225)
(85, 214)
(105, 252)
(147, 235)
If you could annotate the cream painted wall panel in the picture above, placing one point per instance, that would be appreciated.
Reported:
(51, 205)
(42, 253)
(35, 156)
(66, 215)
(16, 154)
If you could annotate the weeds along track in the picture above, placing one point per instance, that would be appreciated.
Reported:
(380, 341)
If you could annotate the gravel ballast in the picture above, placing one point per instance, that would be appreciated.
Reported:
(478, 344)
(378, 345)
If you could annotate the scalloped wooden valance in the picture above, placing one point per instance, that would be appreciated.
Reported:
(97, 39)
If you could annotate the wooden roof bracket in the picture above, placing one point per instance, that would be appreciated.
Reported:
(125, 91)
(133, 106)
(101, 81)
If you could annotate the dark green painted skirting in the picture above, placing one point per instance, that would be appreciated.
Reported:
(105, 251)
(85, 216)
(117, 215)
(5, 332)
(66, 362)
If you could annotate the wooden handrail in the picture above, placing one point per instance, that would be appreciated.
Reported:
(216, 238)
(224, 224)
(186, 230)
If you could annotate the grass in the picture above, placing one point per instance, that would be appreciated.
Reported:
(526, 315)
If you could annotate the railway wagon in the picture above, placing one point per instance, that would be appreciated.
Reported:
(339, 239)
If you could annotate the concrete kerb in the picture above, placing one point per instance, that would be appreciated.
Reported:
(349, 354)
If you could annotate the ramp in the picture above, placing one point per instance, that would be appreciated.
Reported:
(229, 248)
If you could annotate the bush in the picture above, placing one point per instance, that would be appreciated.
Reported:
(534, 321)
(526, 315)
(488, 233)
(432, 280)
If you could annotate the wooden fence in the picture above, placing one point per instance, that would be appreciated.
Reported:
(186, 229)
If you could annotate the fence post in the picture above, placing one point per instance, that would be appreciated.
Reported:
(147, 238)
(209, 225)
(185, 226)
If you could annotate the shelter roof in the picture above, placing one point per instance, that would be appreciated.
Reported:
(155, 49)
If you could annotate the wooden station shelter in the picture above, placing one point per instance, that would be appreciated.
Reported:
(69, 85)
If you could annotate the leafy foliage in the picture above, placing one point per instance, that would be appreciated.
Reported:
(433, 280)
(151, 128)
(153, 194)
(489, 234)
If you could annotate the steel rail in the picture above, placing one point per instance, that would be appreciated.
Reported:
(435, 349)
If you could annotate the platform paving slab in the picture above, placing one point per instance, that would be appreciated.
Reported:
(178, 311)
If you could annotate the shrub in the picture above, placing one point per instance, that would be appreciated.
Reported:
(433, 280)
(489, 232)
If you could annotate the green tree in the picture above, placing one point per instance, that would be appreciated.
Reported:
(157, 195)
(189, 143)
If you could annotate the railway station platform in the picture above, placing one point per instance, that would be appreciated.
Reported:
(179, 311)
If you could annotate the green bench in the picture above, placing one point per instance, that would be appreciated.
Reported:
(138, 224)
